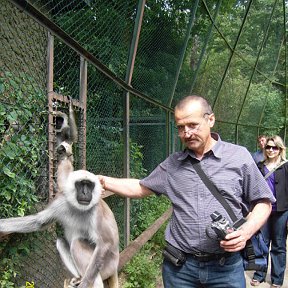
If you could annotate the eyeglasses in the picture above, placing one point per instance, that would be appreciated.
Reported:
(190, 127)
(274, 148)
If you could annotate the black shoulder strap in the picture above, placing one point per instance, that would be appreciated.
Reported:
(251, 265)
(216, 193)
(275, 168)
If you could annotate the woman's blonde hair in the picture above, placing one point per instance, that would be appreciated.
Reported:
(277, 140)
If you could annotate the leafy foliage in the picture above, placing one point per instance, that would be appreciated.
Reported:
(22, 138)
(19, 251)
(145, 211)
(144, 268)
(21, 147)
(11, 258)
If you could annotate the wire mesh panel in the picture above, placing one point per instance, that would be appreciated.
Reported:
(23, 112)
(37, 263)
(148, 137)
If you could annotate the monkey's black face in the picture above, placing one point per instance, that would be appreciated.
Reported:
(84, 189)
(59, 122)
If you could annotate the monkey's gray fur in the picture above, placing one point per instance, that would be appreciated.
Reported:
(65, 127)
(90, 249)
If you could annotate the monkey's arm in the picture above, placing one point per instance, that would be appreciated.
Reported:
(106, 249)
(31, 223)
(95, 264)
(72, 124)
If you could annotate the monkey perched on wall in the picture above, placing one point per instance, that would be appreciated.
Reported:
(90, 250)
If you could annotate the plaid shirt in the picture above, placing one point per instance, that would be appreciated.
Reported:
(230, 167)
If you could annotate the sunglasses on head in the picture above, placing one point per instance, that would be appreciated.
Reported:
(274, 148)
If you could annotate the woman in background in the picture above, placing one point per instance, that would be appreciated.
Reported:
(275, 231)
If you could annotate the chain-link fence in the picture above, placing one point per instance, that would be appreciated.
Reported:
(125, 64)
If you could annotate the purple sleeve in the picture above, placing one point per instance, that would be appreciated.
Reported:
(157, 180)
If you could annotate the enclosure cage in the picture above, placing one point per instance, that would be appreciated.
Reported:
(125, 64)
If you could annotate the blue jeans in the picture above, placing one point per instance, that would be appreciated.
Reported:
(275, 232)
(226, 272)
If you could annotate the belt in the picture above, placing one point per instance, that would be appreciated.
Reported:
(205, 257)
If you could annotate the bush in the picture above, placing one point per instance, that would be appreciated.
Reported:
(145, 267)
(22, 138)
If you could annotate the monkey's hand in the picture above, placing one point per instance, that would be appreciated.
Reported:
(86, 285)
(64, 149)
(73, 283)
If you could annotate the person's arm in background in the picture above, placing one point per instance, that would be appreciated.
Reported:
(124, 187)
(236, 240)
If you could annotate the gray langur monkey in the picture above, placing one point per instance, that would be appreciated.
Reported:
(66, 133)
(65, 127)
(90, 250)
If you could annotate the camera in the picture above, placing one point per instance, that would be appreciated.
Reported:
(220, 225)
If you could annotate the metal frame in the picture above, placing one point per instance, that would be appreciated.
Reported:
(81, 104)
(254, 70)
(126, 130)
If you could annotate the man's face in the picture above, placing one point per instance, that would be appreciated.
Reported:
(194, 126)
(262, 142)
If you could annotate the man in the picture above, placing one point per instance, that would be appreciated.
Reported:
(258, 156)
(210, 262)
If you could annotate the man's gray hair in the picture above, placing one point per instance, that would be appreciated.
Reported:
(204, 103)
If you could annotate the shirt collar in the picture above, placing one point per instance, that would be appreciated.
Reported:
(217, 149)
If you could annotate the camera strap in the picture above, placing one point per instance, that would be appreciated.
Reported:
(249, 248)
(217, 194)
